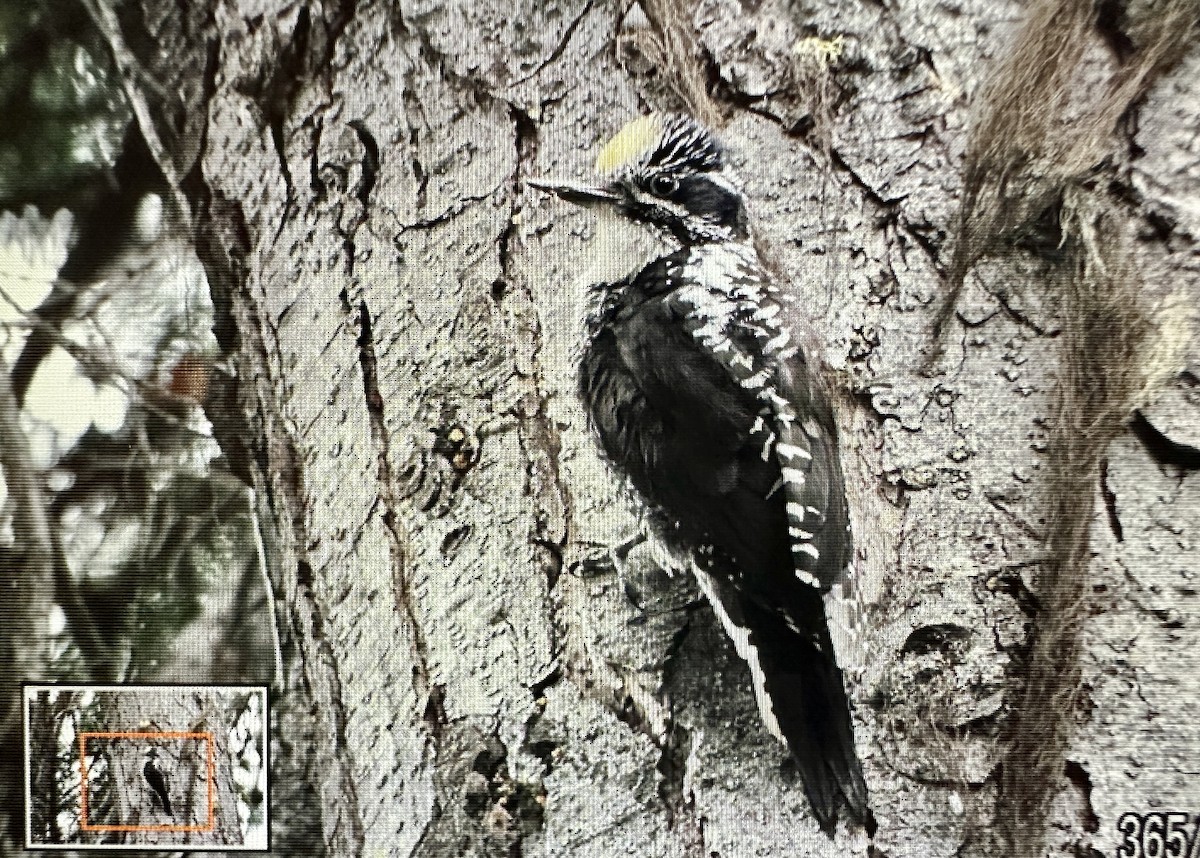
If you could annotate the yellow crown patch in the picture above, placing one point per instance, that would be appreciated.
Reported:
(630, 143)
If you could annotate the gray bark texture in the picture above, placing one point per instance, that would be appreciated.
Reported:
(26, 567)
(996, 276)
(185, 762)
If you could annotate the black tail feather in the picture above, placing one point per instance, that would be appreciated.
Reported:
(808, 697)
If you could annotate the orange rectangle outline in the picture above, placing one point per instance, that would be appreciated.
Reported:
(83, 792)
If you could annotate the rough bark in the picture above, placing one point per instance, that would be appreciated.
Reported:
(26, 564)
(462, 676)
(185, 762)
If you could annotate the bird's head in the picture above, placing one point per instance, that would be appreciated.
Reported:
(668, 171)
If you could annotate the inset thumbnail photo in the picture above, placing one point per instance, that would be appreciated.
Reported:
(173, 767)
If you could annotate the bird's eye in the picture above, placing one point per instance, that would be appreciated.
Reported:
(663, 185)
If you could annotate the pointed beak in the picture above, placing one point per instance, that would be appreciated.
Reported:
(575, 192)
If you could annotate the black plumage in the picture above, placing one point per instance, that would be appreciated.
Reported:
(674, 422)
(158, 783)
(701, 397)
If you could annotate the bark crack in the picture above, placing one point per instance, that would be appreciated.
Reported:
(461, 205)
(223, 244)
(536, 432)
(393, 524)
(561, 47)
(1110, 503)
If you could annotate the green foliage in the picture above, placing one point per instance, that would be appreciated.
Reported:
(63, 108)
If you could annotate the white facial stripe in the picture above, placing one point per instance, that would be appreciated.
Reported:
(672, 210)
(722, 181)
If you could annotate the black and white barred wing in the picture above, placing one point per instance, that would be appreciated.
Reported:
(775, 613)
(812, 482)
(741, 326)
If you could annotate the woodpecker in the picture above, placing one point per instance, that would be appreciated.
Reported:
(702, 398)
(157, 780)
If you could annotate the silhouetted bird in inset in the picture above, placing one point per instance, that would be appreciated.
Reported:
(157, 780)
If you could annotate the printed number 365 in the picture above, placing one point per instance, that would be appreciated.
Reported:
(1158, 835)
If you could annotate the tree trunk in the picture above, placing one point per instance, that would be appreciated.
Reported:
(25, 568)
(45, 785)
(193, 752)
(462, 677)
